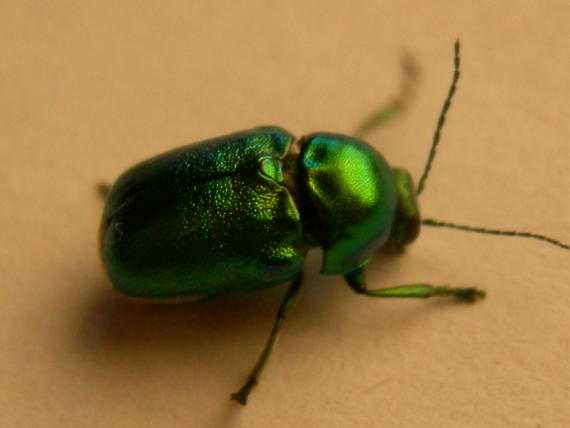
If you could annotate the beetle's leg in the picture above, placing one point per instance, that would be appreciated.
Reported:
(357, 281)
(103, 189)
(290, 297)
(398, 103)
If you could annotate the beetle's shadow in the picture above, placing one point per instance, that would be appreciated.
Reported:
(205, 342)
(114, 323)
(221, 336)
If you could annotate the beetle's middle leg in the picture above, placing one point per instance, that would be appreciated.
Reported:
(357, 282)
(253, 378)
(398, 103)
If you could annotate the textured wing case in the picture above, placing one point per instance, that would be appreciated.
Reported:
(204, 219)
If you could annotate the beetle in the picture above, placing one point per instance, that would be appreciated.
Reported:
(238, 214)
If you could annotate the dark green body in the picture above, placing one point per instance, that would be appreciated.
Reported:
(238, 213)
(203, 219)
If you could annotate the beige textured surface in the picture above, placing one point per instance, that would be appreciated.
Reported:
(88, 88)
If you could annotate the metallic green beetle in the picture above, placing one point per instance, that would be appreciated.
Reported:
(238, 213)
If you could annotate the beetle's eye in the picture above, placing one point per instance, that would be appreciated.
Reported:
(271, 168)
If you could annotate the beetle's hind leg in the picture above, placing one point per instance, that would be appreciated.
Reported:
(357, 282)
(103, 189)
(253, 378)
(398, 103)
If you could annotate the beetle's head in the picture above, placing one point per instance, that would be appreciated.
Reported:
(406, 226)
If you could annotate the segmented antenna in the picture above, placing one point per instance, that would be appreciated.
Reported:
(441, 119)
(436, 223)
(435, 142)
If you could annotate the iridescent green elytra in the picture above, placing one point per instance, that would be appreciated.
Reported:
(238, 213)
(205, 219)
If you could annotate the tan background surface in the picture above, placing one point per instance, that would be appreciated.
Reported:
(88, 88)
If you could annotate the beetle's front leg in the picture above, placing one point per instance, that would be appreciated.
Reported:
(356, 279)
(290, 297)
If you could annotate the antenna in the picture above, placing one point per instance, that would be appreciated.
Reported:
(436, 223)
(441, 119)
(431, 156)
